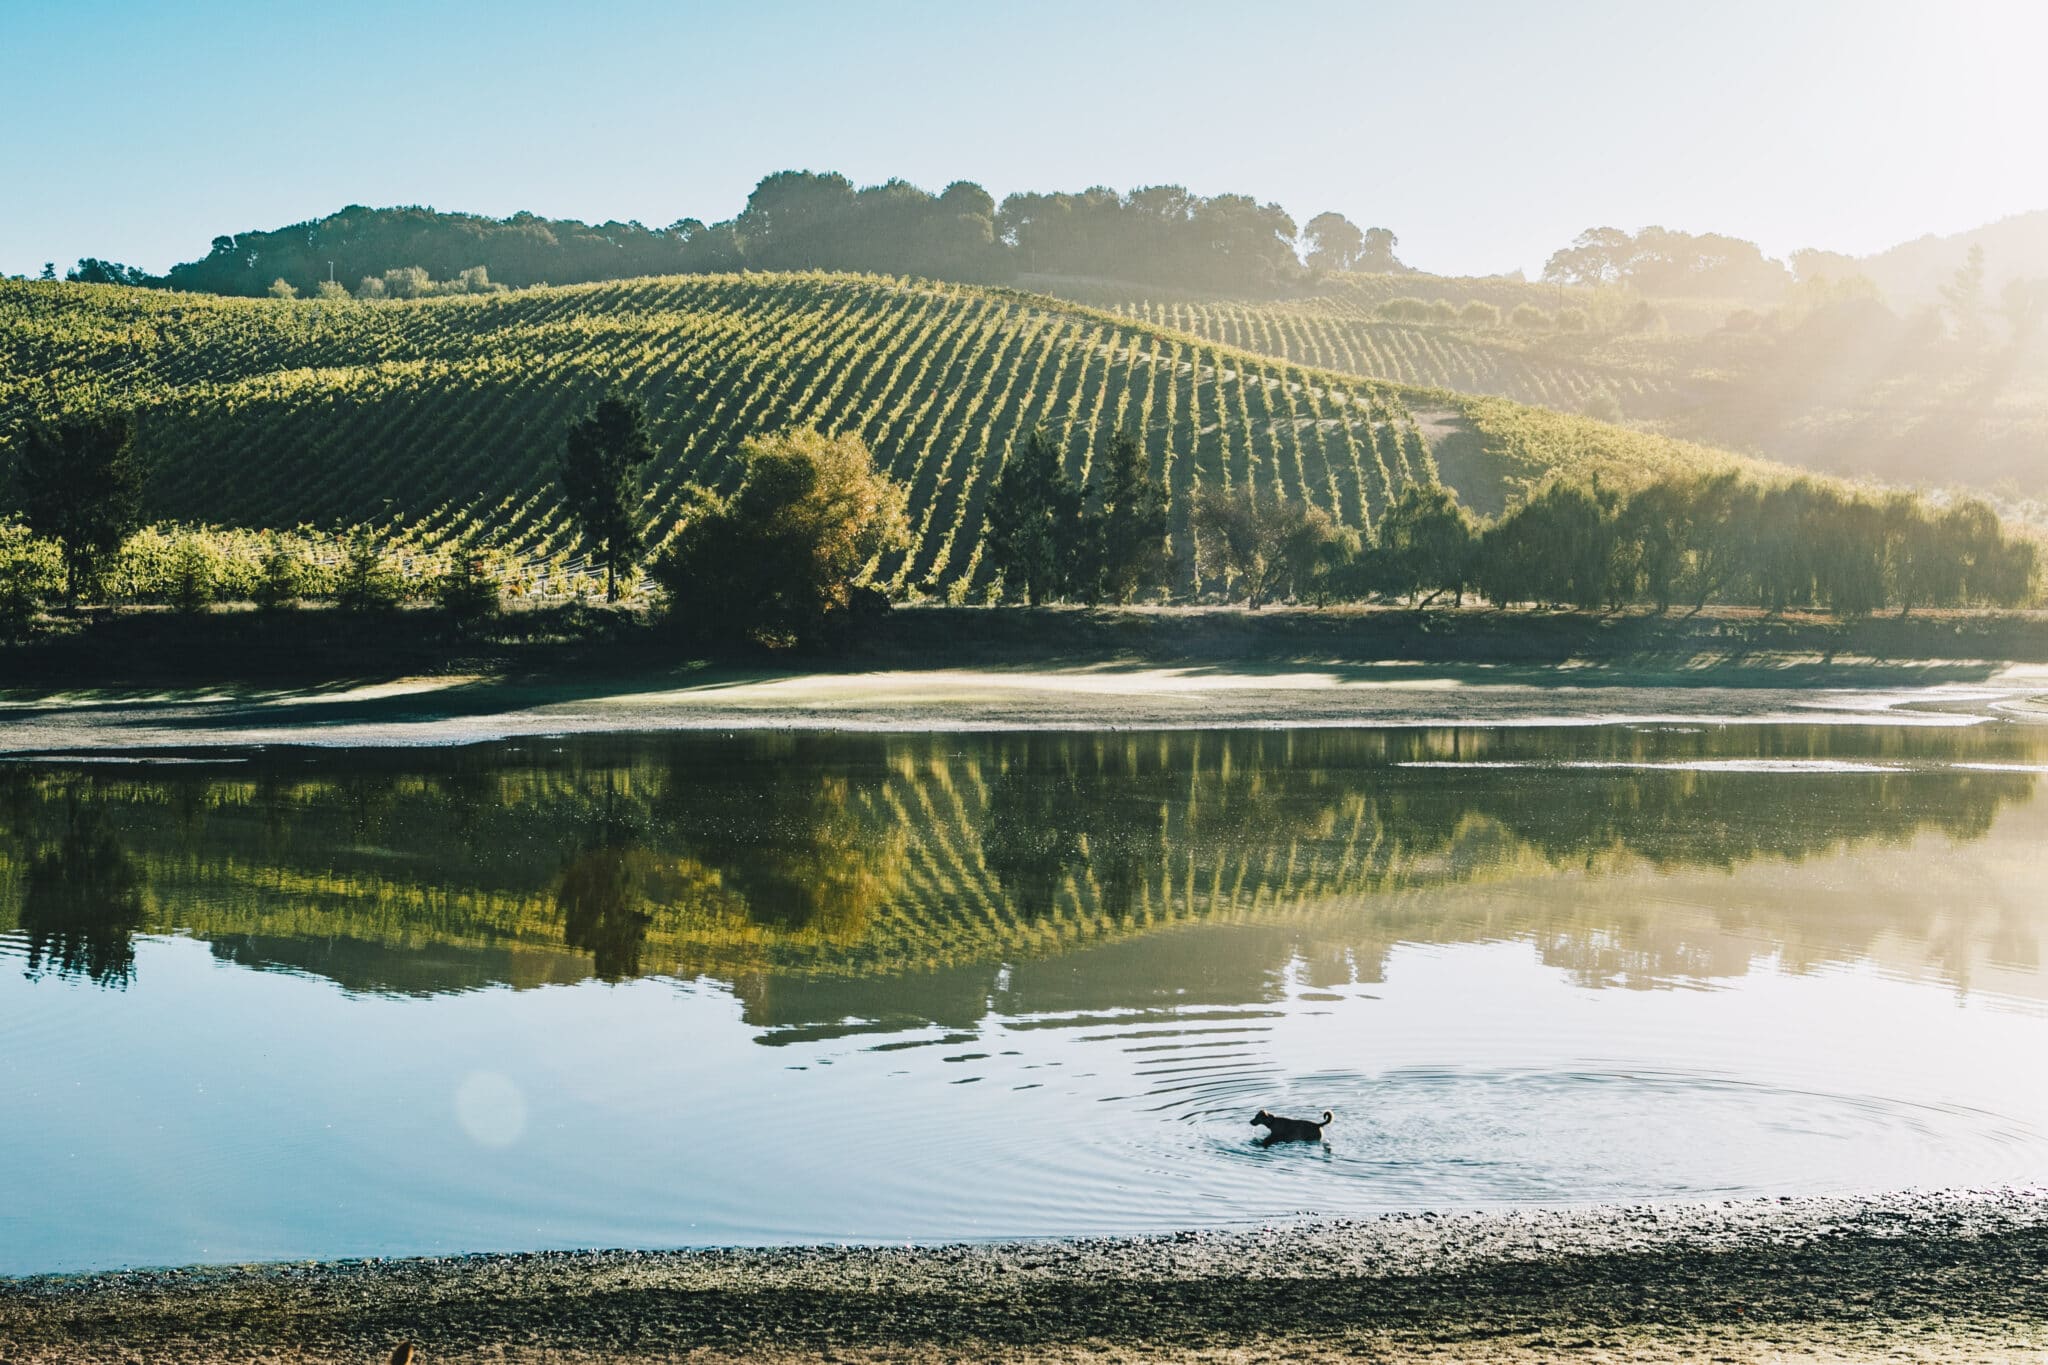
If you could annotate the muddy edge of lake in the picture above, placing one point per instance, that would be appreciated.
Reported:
(1105, 697)
(1934, 1276)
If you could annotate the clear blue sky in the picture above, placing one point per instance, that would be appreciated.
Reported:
(1485, 134)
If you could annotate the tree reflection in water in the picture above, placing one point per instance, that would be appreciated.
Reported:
(873, 858)
(82, 902)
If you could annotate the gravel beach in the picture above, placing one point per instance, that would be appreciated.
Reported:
(1948, 1277)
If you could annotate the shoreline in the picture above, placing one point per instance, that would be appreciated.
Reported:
(1922, 1276)
(443, 711)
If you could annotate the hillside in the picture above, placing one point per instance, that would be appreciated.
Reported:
(446, 414)
(1841, 385)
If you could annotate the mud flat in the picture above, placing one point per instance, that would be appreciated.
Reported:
(460, 710)
(1937, 1277)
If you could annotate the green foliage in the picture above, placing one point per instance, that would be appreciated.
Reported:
(283, 581)
(1480, 313)
(78, 481)
(1425, 542)
(599, 475)
(468, 590)
(1529, 318)
(781, 560)
(1035, 535)
(195, 575)
(366, 582)
(1558, 548)
(31, 573)
(1260, 545)
(1123, 529)
(279, 289)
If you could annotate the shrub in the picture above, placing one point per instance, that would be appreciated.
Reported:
(1404, 309)
(366, 582)
(468, 590)
(283, 580)
(1571, 320)
(194, 575)
(1444, 312)
(1529, 318)
(280, 290)
(1479, 313)
(330, 290)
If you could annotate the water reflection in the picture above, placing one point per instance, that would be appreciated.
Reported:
(82, 900)
(828, 878)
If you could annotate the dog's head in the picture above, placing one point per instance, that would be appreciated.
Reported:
(1262, 1117)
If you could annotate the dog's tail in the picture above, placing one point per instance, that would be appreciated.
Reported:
(1327, 1116)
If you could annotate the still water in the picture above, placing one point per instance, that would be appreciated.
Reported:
(664, 991)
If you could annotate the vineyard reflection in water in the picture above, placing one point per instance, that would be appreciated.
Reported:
(884, 987)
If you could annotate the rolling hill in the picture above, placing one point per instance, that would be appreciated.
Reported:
(445, 414)
(1845, 387)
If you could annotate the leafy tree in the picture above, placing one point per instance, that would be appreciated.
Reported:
(279, 289)
(79, 482)
(1034, 521)
(331, 290)
(1334, 243)
(781, 559)
(1558, 547)
(1125, 528)
(1426, 541)
(1377, 257)
(599, 476)
(91, 270)
(1318, 551)
(1256, 541)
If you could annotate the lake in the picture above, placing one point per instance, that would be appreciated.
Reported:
(699, 989)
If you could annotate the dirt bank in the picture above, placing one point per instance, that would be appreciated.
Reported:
(1915, 1277)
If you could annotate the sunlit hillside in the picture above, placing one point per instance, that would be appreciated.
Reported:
(1839, 383)
(447, 414)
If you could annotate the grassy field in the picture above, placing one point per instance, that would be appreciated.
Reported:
(445, 415)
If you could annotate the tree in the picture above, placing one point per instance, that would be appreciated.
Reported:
(599, 475)
(1334, 242)
(79, 482)
(91, 270)
(1426, 541)
(1377, 257)
(1963, 297)
(1034, 521)
(366, 582)
(1125, 529)
(1257, 540)
(1558, 547)
(780, 561)
(280, 289)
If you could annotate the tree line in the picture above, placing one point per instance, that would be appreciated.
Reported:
(789, 554)
(793, 220)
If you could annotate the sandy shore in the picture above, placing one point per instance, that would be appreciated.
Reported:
(467, 710)
(1915, 1277)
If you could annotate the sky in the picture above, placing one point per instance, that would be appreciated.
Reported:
(1485, 134)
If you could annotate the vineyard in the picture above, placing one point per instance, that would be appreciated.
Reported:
(441, 418)
(1865, 403)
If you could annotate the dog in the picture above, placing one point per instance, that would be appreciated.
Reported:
(1290, 1130)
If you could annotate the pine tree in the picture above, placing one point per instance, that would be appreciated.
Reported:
(1034, 521)
(599, 477)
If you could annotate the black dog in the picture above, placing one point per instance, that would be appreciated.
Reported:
(1290, 1130)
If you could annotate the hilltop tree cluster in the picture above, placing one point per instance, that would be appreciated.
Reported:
(793, 220)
